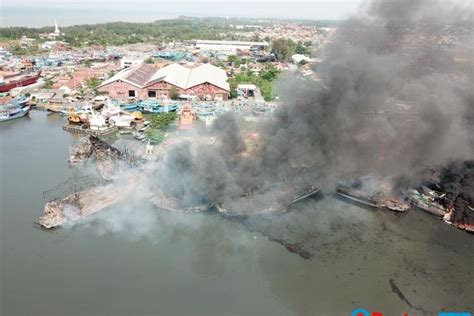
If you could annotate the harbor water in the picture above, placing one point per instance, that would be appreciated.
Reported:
(138, 261)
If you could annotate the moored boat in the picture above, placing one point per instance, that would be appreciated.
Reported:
(428, 200)
(276, 199)
(359, 193)
(13, 112)
(10, 81)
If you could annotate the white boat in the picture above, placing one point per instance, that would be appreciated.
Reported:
(10, 113)
(122, 120)
(110, 109)
(97, 121)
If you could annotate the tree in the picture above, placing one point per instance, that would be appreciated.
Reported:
(174, 94)
(149, 60)
(87, 63)
(48, 84)
(302, 48)
(283, 48)
(302, 62)
(92, 83)
(234, 94)
(163, 120)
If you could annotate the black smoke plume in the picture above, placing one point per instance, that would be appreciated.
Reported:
(395, 98)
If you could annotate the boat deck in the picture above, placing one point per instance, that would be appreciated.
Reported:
(87, 131)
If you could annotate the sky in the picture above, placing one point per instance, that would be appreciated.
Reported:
(43, 12)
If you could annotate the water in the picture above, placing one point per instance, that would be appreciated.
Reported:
(160, 263)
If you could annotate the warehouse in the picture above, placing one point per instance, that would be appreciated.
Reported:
(229, 45)
(144, 81)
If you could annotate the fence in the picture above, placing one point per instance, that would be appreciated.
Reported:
(72, 185)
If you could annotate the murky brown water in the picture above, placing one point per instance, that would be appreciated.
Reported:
(136, 261)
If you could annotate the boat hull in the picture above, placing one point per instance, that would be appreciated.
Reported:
(19, 83)
(24, 111)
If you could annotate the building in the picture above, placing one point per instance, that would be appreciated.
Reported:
(229, 45)
(127, 62)
(56, 32)
(54, 45)
(143, 81)
(298, 58)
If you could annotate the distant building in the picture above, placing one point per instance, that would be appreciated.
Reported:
(205, 82)
(127, 62)
(229, 45)
(54, 45)
(297, 58)
(56, 32)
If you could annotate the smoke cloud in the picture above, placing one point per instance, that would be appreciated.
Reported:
(394, 98)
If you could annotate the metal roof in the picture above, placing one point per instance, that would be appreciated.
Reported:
(144, 75)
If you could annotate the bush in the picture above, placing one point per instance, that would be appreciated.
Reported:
(174, 94)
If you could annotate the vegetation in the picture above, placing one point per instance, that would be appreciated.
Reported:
(92, 83)
(264, 81)
(285, 48)
(236, 61)
(163, 120)
(174, 94)
(158, 125)
(19, 50)
(120, 33)
(48, 84)
(149, 61)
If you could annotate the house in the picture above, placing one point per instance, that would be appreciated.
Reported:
(205, 82)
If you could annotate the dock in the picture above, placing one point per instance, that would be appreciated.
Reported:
(77, 129)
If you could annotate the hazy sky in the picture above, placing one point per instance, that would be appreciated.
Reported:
(43, 12)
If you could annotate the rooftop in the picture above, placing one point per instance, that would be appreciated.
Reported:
(144, 75)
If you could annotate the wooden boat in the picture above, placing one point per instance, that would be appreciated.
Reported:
(277, 199)
(357, 191)
(187, 118)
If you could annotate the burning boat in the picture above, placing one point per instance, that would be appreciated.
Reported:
(79, 205)
(429, 200)
(372, 195)
(170, 203)
(275, 199)
(461, 219)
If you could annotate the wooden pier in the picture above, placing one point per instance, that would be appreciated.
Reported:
(77, 129)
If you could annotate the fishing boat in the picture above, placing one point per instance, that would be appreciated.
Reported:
(169, 203)
(122, 120)
(275, 199)
(187, 118)
(428, 200)
(129, 106)
(14, 80)
(155, 108)
(360, 192)
(170, 55)
(9, 112)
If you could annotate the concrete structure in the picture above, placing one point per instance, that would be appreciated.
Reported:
(228, 45)
(246, 90)
(143, 81)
